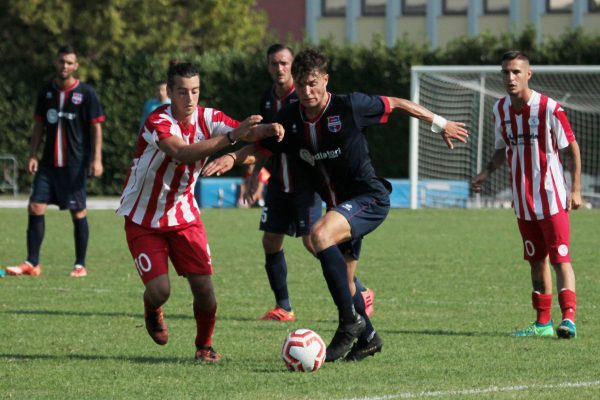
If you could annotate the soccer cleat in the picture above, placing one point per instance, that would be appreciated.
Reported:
(25, 269)
(363, 349)
(566, 329)
(536, 329)
(207, 354)
(369, 299)
(344, 337)
(278, 314)
(79, 271)
(156, 327)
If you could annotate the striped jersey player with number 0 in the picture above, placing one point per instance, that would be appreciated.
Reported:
(531, 128)
(162, 219)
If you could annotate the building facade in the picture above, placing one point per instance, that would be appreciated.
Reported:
(431, 22)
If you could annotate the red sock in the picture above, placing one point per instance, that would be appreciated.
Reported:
(567, 299)
(205, 325)
(542, 303)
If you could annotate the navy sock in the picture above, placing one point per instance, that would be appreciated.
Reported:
(359, 305)
(276, 268)
(81, 232)
(336, 276)
(36, 227)
(359, 286)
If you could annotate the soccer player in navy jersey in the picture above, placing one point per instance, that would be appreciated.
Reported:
(67, 117)
(327, 132)
(291, 204)
(530, 130)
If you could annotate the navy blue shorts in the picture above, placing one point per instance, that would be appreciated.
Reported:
(364, 213)
(290, 213)
(64, 187)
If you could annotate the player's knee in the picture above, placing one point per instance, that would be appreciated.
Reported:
(272, 243)
(320, 238)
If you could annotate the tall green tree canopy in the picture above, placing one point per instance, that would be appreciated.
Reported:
(31, 31)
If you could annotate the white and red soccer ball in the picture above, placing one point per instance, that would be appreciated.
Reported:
(303, 350)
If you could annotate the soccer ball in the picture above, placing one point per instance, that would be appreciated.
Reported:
(303, 350)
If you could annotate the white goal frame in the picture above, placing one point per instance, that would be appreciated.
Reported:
(484, 71)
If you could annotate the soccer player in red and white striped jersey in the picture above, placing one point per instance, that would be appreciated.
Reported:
(531, 129)
(162, 219)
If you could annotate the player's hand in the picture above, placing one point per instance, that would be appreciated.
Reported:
(32, 165)
(478, 180)
(574, 200)
(264, 131)
(96, 169)
(218, 166)
(245, 129)
(456, 131)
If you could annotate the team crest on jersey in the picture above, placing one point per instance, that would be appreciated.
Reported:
(293, 101)
(334, 123)
(77, 98)
(294, 128)
(48, 95)
(534, 121)
(268, 105)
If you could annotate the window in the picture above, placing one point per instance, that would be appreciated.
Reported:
(373, 7)
(414, 7)
(559, 6)
(496, 7)
(333, 8)
(455, 7)
(594, 6)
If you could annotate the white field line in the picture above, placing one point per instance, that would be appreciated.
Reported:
(475, 392)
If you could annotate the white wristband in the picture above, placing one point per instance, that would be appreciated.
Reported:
(438, 124)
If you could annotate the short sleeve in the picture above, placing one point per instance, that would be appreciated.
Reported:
(39, 107)
(95, 111)
(561, 127)
(369, 110)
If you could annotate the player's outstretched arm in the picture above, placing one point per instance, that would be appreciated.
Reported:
(247, 155)
(497, 160)
(264, 131)
(450, 130)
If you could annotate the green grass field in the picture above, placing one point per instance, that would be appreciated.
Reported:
(450, 285)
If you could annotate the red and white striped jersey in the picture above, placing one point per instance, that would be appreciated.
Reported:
(532, 137)
(159, 191)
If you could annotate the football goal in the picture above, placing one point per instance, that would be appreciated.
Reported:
(440, 177)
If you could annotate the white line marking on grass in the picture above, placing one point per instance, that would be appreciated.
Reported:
(474, 392)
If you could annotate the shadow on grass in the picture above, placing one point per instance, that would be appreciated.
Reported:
(76, 313)
(97, 357)
(442, 332)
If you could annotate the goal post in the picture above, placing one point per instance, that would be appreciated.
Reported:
(440, 177)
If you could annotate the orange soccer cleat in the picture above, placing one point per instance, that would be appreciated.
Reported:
(25, 268)
(156, 327)
(278, 314)
(79, 271)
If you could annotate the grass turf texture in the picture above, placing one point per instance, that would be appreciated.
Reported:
(450, 285)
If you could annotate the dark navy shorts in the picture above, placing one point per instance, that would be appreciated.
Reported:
(64, 187)
(290, 213)
(364, 213)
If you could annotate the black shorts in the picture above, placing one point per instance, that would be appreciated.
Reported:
(364, 213)
(292, 214)
(64, 187)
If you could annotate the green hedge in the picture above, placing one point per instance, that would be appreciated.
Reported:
(234, 80)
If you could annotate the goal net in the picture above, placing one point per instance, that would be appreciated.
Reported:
(440, 177)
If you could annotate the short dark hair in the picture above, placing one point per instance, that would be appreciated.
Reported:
(183, 69)
(66, 49)
(514, 55)
(307, 62)
(277, 47)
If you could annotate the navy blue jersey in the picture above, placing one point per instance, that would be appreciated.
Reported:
(66, 117)
(285, 169)
(333, 147)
